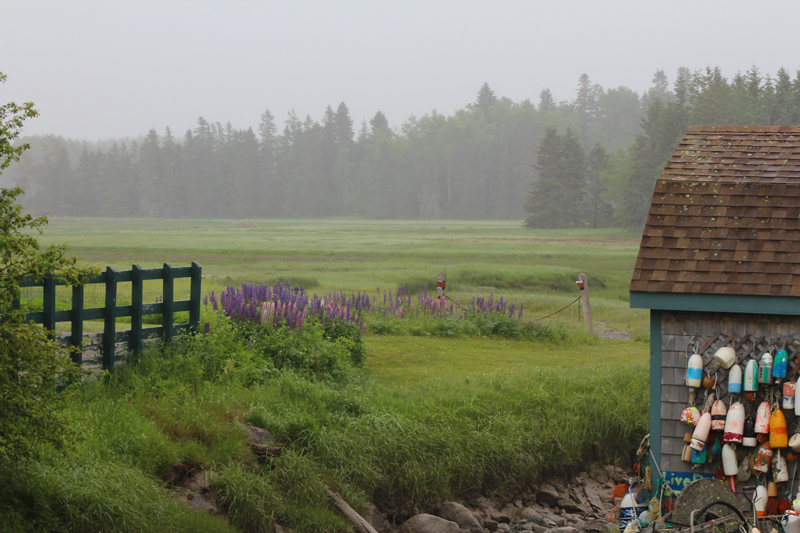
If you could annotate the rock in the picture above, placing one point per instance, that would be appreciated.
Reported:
(565, 529)
(377, 520)
(559, 521)
(503, 527)
(199, 481)
(597, 473)
(569, 506)
(578, 495)
(490, 525)
(258, 435)
(580, 525)
(532, 515)
(594, 498)
(518, 504)
(548, 494)
(427, 523)
(500, 518)
(278, 529)
(539, 529)
(455, 512)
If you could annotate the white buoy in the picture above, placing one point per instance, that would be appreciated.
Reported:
(725, 357)
(762, 418)
(700, 434)
(734, 424)
(735, 380)
(760, 500)
(765, 369)
(729, 464)
(751, 376)
(694, 371)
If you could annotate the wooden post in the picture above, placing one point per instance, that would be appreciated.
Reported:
(77, 323)
(137, 291)
(49, 304)
(194, 295)
(110, 319)
(583, 283)
(168, 294)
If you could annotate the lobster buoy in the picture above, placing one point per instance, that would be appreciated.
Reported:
(762, 418)
(700, 457)
(734, 424)
(735, 380)
(791, 522)
(628, 508)
(686, 456)
(765, 369)
(725, 357)
(781, 365)
(778, 437)
(794, 442)
(690, 416)
(729, 464)
(718, 413)
(789, 390)
(760, 500)
(751, 376)
(763, 459)
(694, 371)
(796, 504)
(780, 471)
(749, 438)
(700, 433)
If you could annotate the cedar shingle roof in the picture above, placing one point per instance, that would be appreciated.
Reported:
(725, 215)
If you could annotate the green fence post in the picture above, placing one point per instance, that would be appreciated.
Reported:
(77, 323)
(194, 296)
(49, 304)
(169, 297)
(137, 290)
(110, 316)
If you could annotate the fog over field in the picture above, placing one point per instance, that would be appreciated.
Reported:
(115, 69)
(562, 114)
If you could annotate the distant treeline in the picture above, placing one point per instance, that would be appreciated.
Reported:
(589, 161)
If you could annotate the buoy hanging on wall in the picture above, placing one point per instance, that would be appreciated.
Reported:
(778, 437)
(751, 376)
(749, 438)
(694, 371)
(700, 434)
(735, 380)
(760, 500)
(765, 369)
(781, 365)
(734, 424)
(729, 464)
(725, 357)
(763, 458)
(718, 414)
(762, 418)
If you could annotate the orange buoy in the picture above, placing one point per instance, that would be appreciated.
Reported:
(777, 429)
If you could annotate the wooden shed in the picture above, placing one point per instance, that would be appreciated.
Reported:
(719, 261)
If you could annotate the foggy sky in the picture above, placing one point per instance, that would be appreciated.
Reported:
(101, 69)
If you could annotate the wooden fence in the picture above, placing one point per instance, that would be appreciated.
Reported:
(110, 337)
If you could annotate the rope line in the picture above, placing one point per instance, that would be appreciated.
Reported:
(536, 320)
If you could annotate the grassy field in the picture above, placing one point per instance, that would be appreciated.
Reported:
(536, 268)
(429, 418)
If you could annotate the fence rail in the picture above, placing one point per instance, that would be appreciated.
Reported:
(135, 336)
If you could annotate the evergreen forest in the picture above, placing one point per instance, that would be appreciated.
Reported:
(589, 162)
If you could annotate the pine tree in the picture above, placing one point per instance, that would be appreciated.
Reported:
(546, 101)
(598, 209)
(379, 123)
(556, 198)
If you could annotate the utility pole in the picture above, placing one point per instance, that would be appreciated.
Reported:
(583, 284)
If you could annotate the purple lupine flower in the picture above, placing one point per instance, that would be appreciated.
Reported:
(250, 345)
(207, 328)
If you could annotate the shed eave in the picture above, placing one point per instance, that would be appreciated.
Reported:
(716, 303)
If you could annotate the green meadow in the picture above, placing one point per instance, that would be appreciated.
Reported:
(433, 414)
